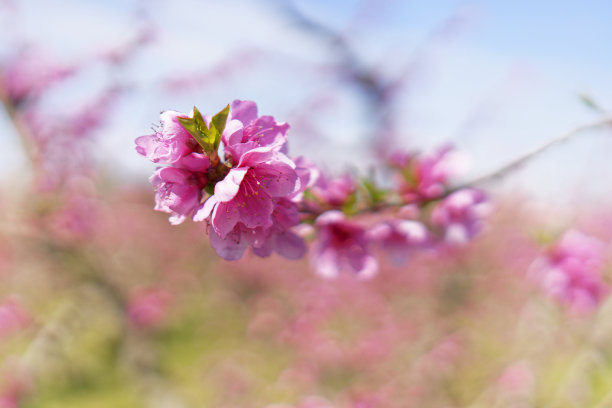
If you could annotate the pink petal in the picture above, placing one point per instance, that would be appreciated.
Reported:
(225, 216)
(232, 134)
(278, 179)
(197, 162)
(244, 111)
(145, 145)
(290, 245)
(204, 211)
(231, 247)
(254, 157)
(255, 210)
(226, 189)
(369, 267)
(327, 263)
(173, 175)
(265, 250)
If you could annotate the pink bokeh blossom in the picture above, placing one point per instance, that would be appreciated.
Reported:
(399, 238)
(342, 244)
(461, 215)
(571, 271)
(147, 308)
(426, 177)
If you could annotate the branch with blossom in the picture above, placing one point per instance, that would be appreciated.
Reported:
(233, 171)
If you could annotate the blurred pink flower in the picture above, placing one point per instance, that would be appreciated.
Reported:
(461, 215)
(10, 396)
(399, 237)
(333, 192)
(147, 308)
(571, 271)
(308, 174)
(27, 74)
(341, 244)
(279, 238)
(425, 177)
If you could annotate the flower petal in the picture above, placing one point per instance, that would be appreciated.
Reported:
(224, 218)
(278, 179)
(327, 263)
(230, 247)
(289, 245)
(244, 111)
(226, 189)
(205, 209)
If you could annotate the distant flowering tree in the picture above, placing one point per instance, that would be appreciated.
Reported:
(233, 171)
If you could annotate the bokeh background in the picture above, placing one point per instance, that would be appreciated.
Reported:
(105, 304)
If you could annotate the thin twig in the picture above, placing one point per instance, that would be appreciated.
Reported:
(521, 160)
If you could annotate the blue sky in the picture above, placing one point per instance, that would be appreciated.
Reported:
(503, 81)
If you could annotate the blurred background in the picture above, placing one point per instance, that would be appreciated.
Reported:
(495, 79)
(105, 304)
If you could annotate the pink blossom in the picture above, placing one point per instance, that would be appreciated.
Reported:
(461, 215)
(571, 271)
(342, 245)
(279, 238)
(170, 141)
(263, 241)
(425, 177)
(333, 192)
(245, 131)
(308, 175)
(178, 190)
(248, 207)
(250, 182)
(399, 237)
(245, 194)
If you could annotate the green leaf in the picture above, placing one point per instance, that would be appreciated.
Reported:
(220, 119)
(217, 125)
(208, 138)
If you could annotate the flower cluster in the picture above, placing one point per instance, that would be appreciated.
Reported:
(232, 171)
(571, 271)
(245, 192)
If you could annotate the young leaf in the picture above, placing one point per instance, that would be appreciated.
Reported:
(217, 125)
(197, 128)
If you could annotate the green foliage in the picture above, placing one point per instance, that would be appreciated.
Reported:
(208, 137)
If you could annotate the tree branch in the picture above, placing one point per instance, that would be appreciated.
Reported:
(514, 164)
